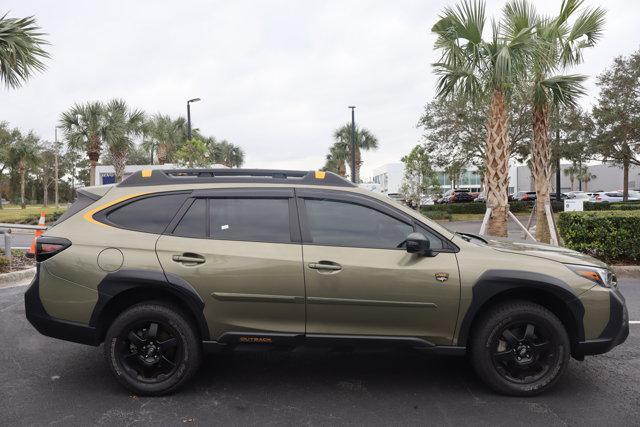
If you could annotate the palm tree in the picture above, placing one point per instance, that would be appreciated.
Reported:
(557, 44)
(121, 126)
(23, 154)
(336, 160)
(21, 50)
(585, 175)
(84, 127)
(473, 67)
(225, 153)
(166, 135)
(365, 141)
(571, 172)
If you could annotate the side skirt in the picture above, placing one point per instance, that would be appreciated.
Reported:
(280, 341)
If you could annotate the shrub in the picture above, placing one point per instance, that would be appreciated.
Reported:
(5, 264)
(608, 235)
(617, 206)
(480, 207)
(437, 214)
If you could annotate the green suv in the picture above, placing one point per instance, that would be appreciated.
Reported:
(169, 264)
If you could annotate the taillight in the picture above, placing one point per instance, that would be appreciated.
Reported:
(46, 247)
(598, 197)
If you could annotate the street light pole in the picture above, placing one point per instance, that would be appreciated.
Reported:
(189, 116)
(558, 171)
(353, 143)
(55, 169)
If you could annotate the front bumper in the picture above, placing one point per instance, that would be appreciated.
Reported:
(615, 332)
(51, 327)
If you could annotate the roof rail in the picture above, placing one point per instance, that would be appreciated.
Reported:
(204, 176)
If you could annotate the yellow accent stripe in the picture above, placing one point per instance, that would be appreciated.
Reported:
(320, 174)
(89, 214)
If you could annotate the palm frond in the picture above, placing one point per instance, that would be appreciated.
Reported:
(21, 50)
(563, 90)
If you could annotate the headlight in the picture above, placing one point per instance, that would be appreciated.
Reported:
(600, 276)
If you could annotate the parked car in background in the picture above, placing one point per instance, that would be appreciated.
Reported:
(396, 196)
(613, 196)
(427, 201)
(583, 195)
(481, 197)
(457, 196)
(525, 196)
(563, 196)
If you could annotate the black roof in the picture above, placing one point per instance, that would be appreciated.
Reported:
(202, 176)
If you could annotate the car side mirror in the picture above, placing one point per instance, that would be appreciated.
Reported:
(417, 243)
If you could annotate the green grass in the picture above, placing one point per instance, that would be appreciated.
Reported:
(14, 215)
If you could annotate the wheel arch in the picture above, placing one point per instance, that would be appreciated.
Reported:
(125, 288)
(497, 286)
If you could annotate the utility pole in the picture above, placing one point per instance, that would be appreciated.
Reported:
(353, 144)
(189, 116)
(558, 171)
(55, 169)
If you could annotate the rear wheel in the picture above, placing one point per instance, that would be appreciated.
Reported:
(152, 348)
(520, 348)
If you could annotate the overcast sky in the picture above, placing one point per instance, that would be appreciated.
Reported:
(275, 77)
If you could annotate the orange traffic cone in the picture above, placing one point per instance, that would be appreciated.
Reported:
(32, 250)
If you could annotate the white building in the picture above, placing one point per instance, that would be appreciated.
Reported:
(106, 174)
(388, 177)
(605, 177)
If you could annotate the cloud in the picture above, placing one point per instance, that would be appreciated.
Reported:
(275, 77)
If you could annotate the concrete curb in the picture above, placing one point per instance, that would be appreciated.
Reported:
(10, 279)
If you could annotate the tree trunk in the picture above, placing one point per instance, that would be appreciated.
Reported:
(625, 177)
(358, 164)
(119, 162)
(541, 169)
(45, 198)
(93, 152)
(497, 161)
(23, 203)
(161, 153)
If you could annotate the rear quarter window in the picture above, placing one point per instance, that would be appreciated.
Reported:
(150, 214)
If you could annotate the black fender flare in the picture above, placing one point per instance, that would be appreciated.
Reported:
(124, 280)
(495, 282)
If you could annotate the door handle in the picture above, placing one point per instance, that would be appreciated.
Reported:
(188, 258)
(325, 265)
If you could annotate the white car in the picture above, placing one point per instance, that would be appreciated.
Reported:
(580, 195)
(427, 201)
(614, 196)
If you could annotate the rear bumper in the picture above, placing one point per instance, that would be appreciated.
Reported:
(51, 327)
(615, 333)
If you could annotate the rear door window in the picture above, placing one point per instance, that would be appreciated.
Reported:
(250, 219)
(149, 214)
(194, 221)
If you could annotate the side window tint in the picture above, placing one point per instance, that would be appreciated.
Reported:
(194, 221)
(251, 220)
(149, 214)
(347, 224)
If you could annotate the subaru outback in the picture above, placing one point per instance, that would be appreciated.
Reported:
(170, 264)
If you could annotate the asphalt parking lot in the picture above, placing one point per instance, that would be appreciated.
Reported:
(47, 381)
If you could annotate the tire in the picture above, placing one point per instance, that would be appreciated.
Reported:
(518, 362)
(152, 360)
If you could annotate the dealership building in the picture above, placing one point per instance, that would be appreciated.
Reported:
(605, 177)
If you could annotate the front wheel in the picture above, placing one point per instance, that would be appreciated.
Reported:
(520, 348)
(152, 348)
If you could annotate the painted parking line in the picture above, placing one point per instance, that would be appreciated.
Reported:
(634, 322)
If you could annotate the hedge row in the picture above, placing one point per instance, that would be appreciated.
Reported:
(615, 206)
(480, 207)
(611, 236)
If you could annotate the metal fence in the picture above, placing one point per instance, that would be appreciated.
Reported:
(5, 230)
